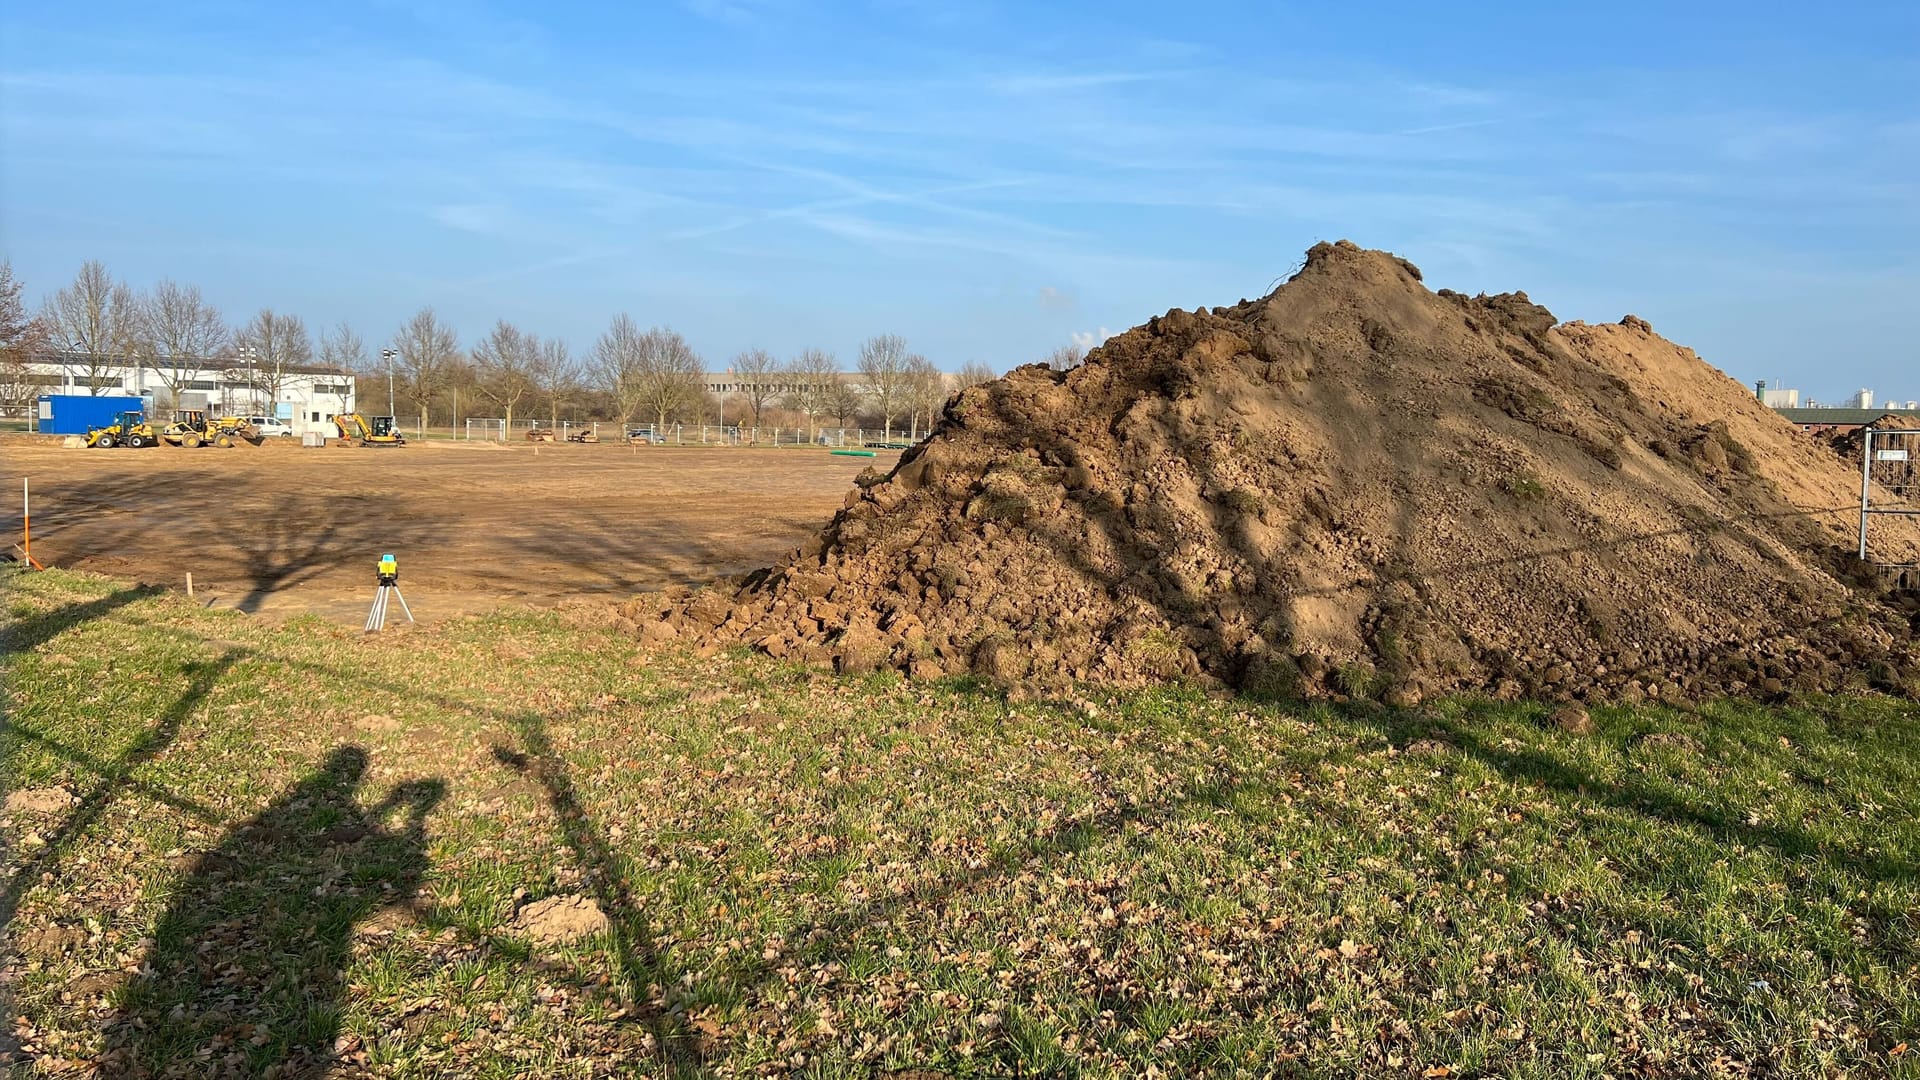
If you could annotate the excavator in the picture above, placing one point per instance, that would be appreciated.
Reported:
(128, 429)
(193, 427)
(355, 431)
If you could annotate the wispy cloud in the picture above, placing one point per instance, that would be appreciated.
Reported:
(1068, 82)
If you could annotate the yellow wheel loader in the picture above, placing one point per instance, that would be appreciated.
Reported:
(193, 427)
(128, 429)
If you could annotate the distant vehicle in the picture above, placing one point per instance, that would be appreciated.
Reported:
(539, 434)
(355, 431)
(642, 436)
(267, 425)
(193, 427)
(128, 429)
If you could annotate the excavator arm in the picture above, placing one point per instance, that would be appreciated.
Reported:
(352, 426)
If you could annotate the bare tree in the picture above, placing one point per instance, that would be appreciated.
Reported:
(427, 349)
(20, 337)
(974, 372)
(617, 366)
(17, 328)
(1066, 357)
(344, 351)
(553, 374)
(843, 399)
(883, 373)
(270, 345)
(94, 320)
(503, 364)
(670, 374)
(926, 391)
(809, 378)
(759, 376)
(19, 385)
(180, 335)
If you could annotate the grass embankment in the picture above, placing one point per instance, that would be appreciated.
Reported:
(290, 843)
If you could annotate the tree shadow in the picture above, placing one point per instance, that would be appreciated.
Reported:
(27, 634)
(245, 972)
(1530, 766)
(114, 778)
(641, 964)
(1714, 823)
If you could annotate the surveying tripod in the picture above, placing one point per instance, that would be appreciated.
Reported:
(389, 588)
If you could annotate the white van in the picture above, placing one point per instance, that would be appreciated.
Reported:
(267, 425)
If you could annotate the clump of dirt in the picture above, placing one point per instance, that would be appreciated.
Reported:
(1353, 487)
(39, 800)
(560, 919)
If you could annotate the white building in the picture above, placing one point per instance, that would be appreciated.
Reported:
(1862, 399)
(305, 397)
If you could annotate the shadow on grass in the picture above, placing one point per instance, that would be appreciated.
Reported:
(1723, 821)
(115, 777)
(244, 974)
(641, 965)
(32, 632)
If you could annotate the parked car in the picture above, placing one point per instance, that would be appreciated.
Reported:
(642, 436)
(267, 425)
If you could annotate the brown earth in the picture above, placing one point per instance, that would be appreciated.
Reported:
(1357, 487)
(285, 530)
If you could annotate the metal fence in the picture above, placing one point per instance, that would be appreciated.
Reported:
(1889, 481)
(496, 429)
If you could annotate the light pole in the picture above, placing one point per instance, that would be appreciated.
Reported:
(388, 355)
(248, 354)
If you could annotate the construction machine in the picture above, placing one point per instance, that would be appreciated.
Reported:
(356, 431)
(583, 436)
(539, 434)
(193, 427)
(128, 429)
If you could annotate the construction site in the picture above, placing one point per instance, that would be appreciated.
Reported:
(1358, 680)
(279, 529)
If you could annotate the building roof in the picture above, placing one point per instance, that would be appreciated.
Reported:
(1845, 416)
(210, 363)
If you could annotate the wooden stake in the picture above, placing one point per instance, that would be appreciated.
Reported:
(189, 584)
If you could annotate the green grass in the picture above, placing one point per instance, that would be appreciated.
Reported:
(292, 843)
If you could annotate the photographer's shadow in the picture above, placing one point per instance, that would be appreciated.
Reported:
(244, 975)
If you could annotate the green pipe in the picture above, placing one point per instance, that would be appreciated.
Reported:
(854, 453)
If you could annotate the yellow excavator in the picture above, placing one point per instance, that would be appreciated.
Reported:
(193, 427)
(128, 429)
(356, 431)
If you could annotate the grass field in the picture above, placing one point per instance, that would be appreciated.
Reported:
(246, 848)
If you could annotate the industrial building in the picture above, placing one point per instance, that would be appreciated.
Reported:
(305, 397)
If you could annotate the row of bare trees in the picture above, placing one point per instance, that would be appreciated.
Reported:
(630, 374)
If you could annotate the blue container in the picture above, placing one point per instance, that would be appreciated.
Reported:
(73, 414)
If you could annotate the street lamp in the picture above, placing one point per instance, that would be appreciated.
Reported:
(248, 355)
(388, 355)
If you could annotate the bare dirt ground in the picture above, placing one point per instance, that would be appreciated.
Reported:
(286, 530)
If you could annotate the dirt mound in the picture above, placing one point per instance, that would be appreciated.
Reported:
(1354, 486)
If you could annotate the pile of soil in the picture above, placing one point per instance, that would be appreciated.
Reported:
(1352, 487)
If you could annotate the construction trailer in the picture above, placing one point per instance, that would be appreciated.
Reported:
(77, 414)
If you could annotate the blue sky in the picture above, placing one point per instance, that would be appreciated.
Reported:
(987, 180)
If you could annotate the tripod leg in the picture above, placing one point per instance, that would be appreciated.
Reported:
(373, 612)
(380, 611)
(403, 602)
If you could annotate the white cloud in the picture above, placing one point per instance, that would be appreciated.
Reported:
(1054, 299)
(1088, 339)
